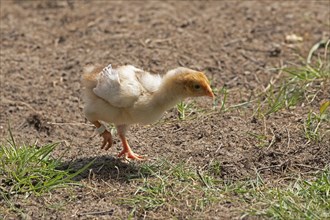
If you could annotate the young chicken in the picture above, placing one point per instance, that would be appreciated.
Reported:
(128, 95)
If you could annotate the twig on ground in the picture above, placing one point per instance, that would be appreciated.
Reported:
(97, 213)
(202, 179)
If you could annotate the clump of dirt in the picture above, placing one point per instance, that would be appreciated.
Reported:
(38, 123)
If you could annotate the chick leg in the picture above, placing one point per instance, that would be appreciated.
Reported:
(127, 151)
(107, 138)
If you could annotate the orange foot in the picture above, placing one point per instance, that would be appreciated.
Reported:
(129, 154)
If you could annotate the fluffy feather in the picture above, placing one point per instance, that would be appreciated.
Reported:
(118, 87)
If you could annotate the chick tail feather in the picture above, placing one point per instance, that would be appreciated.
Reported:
(89, 82)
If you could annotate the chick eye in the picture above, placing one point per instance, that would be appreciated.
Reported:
(197, 87)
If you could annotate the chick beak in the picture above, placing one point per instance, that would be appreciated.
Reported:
(210, 93)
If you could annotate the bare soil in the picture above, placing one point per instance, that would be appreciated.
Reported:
(238, 44)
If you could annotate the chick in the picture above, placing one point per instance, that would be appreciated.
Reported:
(128, 95)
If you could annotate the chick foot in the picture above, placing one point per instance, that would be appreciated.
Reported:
(129, 154)
(107, 140)
(127, 151)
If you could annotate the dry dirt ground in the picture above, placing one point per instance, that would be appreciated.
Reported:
(238, 44)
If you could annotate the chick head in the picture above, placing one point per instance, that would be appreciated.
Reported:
(194, 83)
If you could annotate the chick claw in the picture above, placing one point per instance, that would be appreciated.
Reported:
(129, 154)
(107, 140)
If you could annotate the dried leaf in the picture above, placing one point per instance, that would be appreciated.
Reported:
(292, 38)
(324, 107)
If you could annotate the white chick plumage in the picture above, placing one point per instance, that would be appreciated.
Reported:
(128, 95)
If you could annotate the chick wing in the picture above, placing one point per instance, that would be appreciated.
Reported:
(119, 87)
(122, 87)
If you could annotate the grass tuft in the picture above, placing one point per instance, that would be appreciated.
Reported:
(220, 98)
(313, 122)
(29, 169)
(303, 199)
(185, 109)
(167, 187)
(301, 86)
